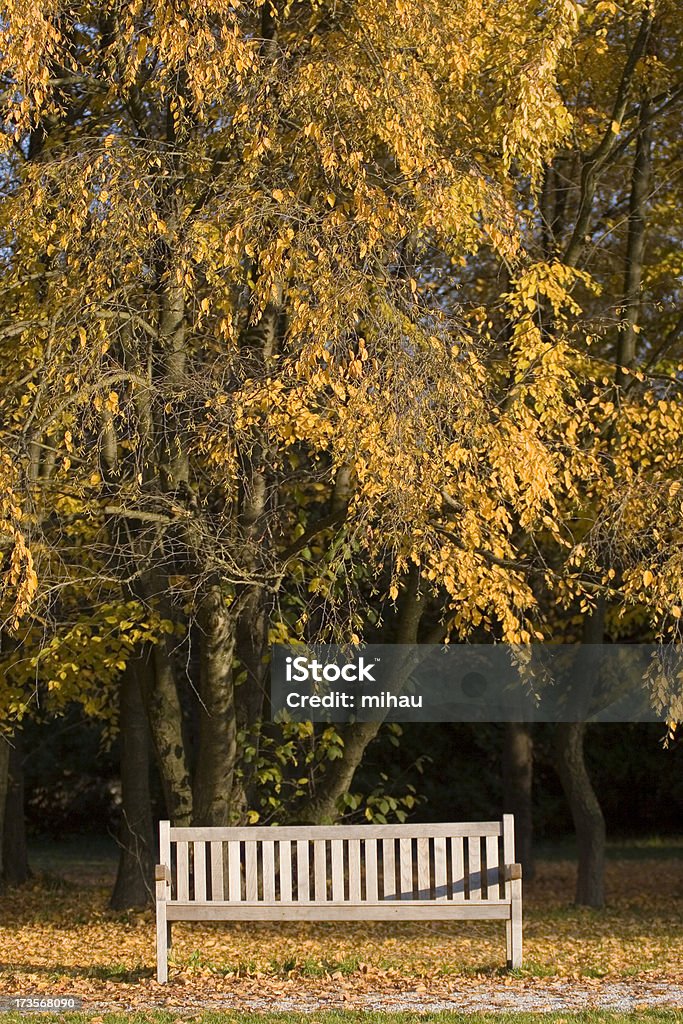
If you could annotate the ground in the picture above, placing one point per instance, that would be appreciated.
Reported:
(57, 937)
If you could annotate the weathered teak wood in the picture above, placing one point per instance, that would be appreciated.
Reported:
(371, 889)
(474, 867)
(320, 863)
(217, 887)
(285, 850)
(199, 871)
(458, 868)
(492, 875)
(183, 877)
(234, 872)
(354, 870)
(426, 872)
(423, 881)
(163, 896)
(261, 832)
(337, 870)
(389, 868)
(250, 872)
(406, 871)
(268, 849)
(303, 877)
(395, 910)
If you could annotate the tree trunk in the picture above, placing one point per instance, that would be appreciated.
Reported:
(4, 785)
(322, 808)
(571, 768)
(586, 813)
(165, 717)
(337, 776)
(216, 801)
(134, 880)
(14, 850)
(635, 246)
(518, 773)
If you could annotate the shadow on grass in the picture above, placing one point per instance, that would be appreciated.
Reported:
(101, 972)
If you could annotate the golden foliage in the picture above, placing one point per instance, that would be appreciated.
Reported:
(252, 250)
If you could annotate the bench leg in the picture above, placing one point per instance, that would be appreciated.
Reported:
(163, 931)
(513, 927)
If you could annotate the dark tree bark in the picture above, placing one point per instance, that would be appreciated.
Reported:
(587, 816)
(217, 753)
(4, 784)
(16, 869)
(134, 880)
(635, 246)
(165, 717)
(518, 773)
(322, 808)
(586, 813)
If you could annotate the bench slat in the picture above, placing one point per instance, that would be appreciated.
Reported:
(457, 869)
(354, 870)
(388, 869)
(492, 873)
(440, 870)
(414, 831)
(251, 871)
(285, 852)
(337, 870)
(371, 890)
(423, 882)
(183, 869)
(508, 849)
(199, 858)
(268, 863)
(217, 889)
(405, 848)
(320, 869)
(234, 872)
(303, 872)
(414, 910)
(474, 867)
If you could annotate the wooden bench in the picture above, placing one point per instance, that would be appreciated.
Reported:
(451, 872)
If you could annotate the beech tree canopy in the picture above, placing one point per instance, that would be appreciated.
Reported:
(329, 321)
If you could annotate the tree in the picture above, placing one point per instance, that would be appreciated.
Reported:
(594, 225)
(282, 357)
(223, 367)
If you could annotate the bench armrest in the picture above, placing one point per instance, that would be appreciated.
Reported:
(162, 878)
(512, 872)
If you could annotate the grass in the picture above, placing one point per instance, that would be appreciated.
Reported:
(644, 848)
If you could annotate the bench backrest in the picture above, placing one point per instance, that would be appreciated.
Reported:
(340, 863)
